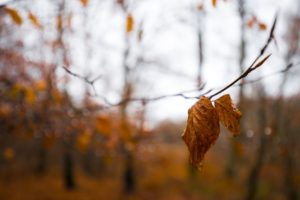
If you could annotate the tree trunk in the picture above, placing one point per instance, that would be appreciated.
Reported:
(290, 188)
(129, 179)
(231, 162)
(288, 146)
(253, 177)
(201, 58)
(88, 162)
(68, 167)
(41, 167)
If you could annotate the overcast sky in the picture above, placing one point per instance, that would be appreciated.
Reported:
(170, 39)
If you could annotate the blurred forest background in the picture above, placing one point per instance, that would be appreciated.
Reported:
(94, 97)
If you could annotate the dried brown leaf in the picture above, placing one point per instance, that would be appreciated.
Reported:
(14, 15)
(84, 2)
(229, 115)
(129, 23)
(59, 23)
(262, 26)
(34, 20)
(214, 3)
(202, 129)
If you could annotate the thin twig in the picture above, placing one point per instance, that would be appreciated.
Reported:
(243, 75)
(152, 99)
(84, 78)
(286, 69)
(132, 99)
(253, 65)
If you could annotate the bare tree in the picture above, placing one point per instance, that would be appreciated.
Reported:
(231, 163)
(261, 150)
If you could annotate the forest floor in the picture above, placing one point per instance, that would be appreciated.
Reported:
(160, 177)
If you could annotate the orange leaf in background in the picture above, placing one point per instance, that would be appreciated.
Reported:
(251, 22)
(9, 154)
(84, 2)
(34, 20)
(14, 15)
(229, 115)
(129, 23)
(83, 141)
(125, 130)
(262, 26)
(59, 23)
(202, 129)
(30, 96)
(104, 125)
(214, 3)
(41, 85)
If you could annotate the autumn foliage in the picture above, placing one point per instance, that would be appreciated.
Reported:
(84, 91)
(202, 129)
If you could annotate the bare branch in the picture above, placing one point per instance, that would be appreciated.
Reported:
(84, 78)
(243, 75)
(253, 65)
(145, 100)
(142, 99)
(286, 69)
